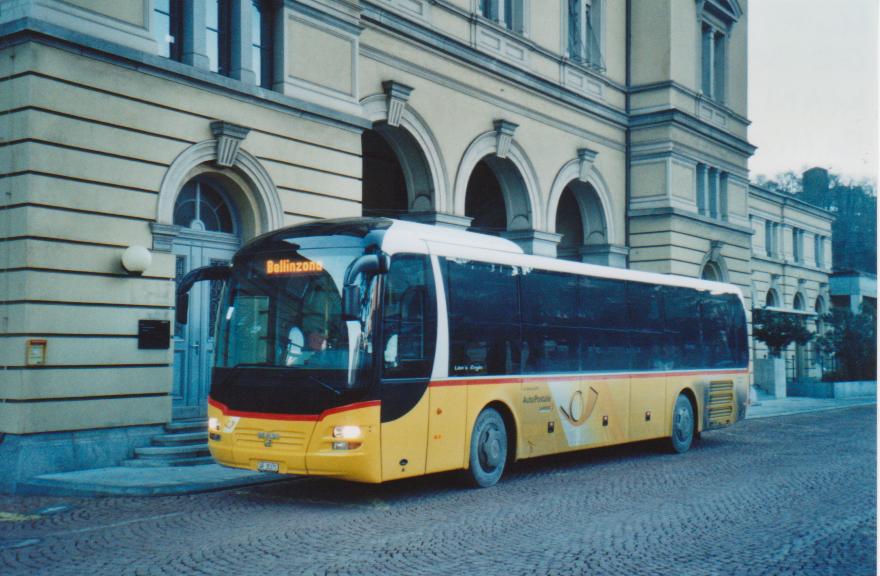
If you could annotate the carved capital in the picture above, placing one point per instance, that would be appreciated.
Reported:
(397, 95)
(163, 236)
(504, 131)
(586, 157)
(229, 137)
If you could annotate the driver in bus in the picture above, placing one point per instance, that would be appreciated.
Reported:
(321, 309)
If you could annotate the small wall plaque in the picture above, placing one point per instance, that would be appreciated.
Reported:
(35, 353)
(154, 334)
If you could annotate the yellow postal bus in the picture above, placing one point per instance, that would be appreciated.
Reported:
(372, 349)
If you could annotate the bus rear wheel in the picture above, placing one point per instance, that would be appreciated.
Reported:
(488, 453)
(683, 425)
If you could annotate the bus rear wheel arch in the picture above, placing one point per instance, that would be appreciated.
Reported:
(489, 448)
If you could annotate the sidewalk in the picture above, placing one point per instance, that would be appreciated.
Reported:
(159, 481)
(125, 481)
(768, 406)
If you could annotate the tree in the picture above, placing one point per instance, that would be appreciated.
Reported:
(779, 329)
(852, 340)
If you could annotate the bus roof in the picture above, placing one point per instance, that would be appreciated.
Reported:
(403, 236)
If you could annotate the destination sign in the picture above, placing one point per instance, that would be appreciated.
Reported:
(287, 267)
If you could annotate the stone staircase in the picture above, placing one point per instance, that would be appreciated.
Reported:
(184, 443)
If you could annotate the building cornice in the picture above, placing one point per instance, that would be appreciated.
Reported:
(789, 200)
(461, 51)
(678, 212)
(681, 88)
(690, 122)
(786, 264)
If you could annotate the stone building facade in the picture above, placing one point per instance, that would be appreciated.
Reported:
(610, 131)
(791, 267)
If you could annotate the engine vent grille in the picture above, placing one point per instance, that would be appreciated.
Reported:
(720, 403)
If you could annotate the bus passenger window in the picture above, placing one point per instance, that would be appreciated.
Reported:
(484, 324)
(410, 318)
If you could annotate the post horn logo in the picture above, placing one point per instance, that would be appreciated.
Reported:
(268, 437)
(577, 412)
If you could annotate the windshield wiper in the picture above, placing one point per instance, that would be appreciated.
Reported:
(324, 384)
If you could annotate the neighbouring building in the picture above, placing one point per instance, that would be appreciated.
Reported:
(854, 235)
(608, 131)
(791, 265)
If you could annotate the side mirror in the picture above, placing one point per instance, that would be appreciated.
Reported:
(220, 272)
(368, 265)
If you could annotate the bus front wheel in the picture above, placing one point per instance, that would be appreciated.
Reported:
(488, 453)
(683, 425)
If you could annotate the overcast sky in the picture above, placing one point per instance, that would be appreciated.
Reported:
(813, 86)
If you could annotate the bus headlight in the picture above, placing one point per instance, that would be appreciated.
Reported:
(213, 425)
(347, 432)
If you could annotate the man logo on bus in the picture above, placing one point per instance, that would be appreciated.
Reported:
(577, 413)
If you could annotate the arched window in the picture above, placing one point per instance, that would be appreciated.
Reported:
(201, 205)
(799, 302)
(711, 271)
(772, 299)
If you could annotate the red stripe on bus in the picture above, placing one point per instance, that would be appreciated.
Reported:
(571, 377)
(295, 417)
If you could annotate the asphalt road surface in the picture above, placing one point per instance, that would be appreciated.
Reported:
(787, 495)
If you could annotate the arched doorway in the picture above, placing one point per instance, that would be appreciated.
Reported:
(800, 350)
(396, 176)
(208, 233)
(819, 358)
(580, 220)
(496, 197)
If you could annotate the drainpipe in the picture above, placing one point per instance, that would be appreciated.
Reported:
(627, 178)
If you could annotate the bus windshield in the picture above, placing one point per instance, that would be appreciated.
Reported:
(282, 309)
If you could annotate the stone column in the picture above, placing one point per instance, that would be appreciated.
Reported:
(441, 219)
(604, 254)
(242, 61)
(195, 43)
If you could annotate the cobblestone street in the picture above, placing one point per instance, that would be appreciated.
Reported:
(786, 495)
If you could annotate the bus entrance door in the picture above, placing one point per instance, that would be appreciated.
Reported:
(409, 328)
(404, 428)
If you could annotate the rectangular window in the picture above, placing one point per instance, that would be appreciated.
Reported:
(706, 51)
(262, 38)
(718, 60)
(713, 61)
(489, 9)
(484, 320)
(797, 236)
(507, 13)
(585, 32)
(768, 238)
(168, 31)
(819, 251)
(218, 34)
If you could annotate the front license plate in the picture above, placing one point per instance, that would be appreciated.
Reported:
(267, 466)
